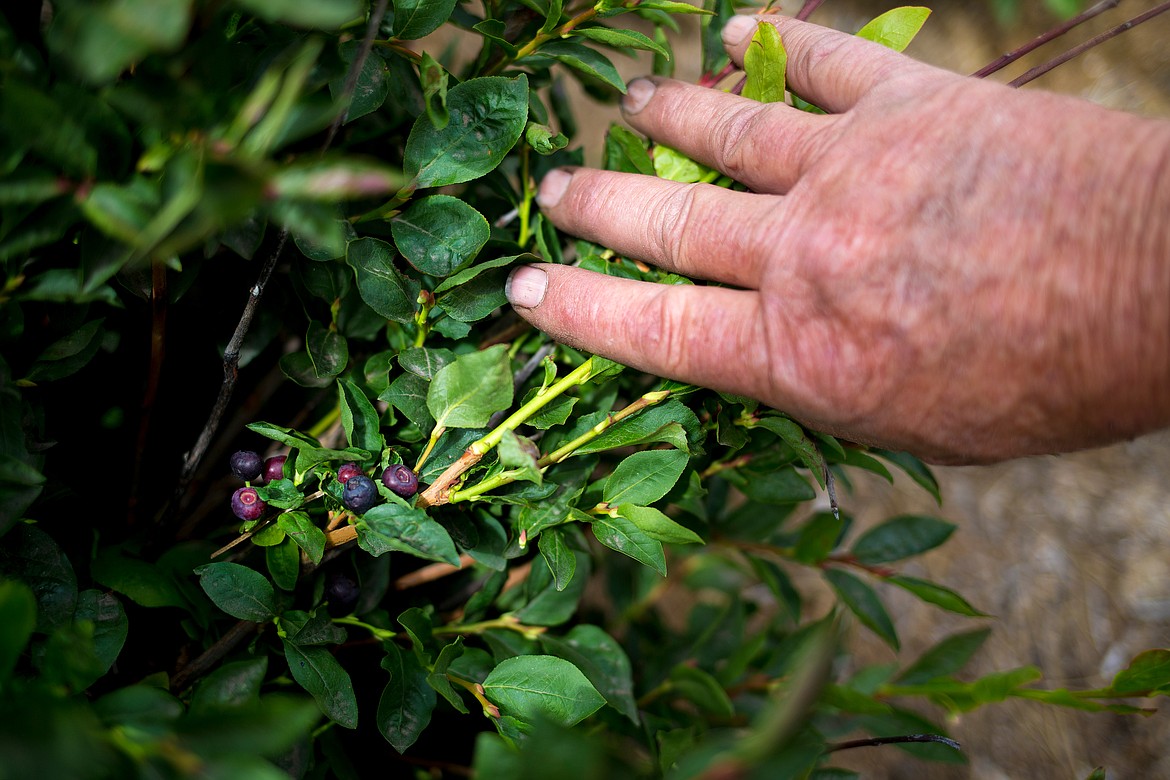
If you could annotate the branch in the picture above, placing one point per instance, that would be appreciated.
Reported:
(1044, 38)
(807, 9)
(355, 71)
(879, 741)
(1076, 51)
(214, 654)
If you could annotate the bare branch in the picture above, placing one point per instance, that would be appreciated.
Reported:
(1044, 38)
(807, 9)
(1096, 40)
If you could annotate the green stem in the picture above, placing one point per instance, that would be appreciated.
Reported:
(578, 376)
(383, 634)
(483, 486)
(544, 37)
(326, 422)
(438, 431)
(525, 208)
(507, 622)
(475, 689)
(564, 451)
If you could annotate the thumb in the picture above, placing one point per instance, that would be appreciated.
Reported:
(701, 335)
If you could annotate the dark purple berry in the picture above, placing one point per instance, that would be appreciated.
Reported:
(341, 593)
(400, 480)
(246, 504)
(246, 465)
(274, 468)
(346, 471)
(359, 494)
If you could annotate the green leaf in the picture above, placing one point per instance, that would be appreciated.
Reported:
(860, 460)
(142, 582)
(945, 658)
(783, 486)
(467, 274)
(319, 673)
(372, 86)
(395, 526)
(239, 591)
(440, 234)
(657, 525)
(917, 470)
(548, 606)
(487, 117)
(795, 437)
(408, 394)
(322, 14)
(543, 139)
(110, 626)
(895, 28)
(101, 39)
(304, 629)
(560, 559)
(997, 686)
(602, 660)
(478, 298)
(621, 39)
(673, 165)
(1148, 672)
(327, 348)
(818, 538)
(468, 392)
(644, 477)
(936, 594)
(359, 419)
(671, 422)
(863, 602)
(404, 709)
(901, 537)
(700, 688)
(414, 19)
(18, 615)
(542, 686)
(438, 680)
(69, 354)
(626, 152)
(31, 556)
(582, 58)
(518, 455)
(230, 686)
(284, 563)
(304, 532)
(381, 286)
(425, 362)
(765, 62)
(618, 533)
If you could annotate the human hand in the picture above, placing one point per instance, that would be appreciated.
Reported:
(941, 265)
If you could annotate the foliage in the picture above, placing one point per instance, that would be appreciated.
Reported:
(156, 156)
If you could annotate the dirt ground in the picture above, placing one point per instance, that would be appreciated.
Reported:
(1070, 554)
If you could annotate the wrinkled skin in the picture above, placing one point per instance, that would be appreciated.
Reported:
(941, 265)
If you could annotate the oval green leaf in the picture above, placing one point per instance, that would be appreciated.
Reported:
(239, 591)
(542, 686)
(644, 477)
(487, 116)
(440, 235)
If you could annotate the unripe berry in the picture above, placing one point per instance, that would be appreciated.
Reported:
(400, 480)
(274, 468)
(346, 471)
(246, 465)
(246, 504)
(359, 494)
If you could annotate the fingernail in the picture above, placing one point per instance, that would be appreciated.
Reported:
(526, 287)
(739, 28)
(638, 94)
(552, 187)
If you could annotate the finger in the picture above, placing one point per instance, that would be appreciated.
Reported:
(764, 146)
(697, 230)
(692, 334)
(827, 67)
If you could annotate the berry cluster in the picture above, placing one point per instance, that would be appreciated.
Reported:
(358, 496)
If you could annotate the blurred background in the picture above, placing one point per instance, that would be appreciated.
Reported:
(1070, 554)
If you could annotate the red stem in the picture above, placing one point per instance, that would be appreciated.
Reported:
(1044, 38)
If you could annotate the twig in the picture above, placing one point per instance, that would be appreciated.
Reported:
(231, 355)
(355, 71)
(158, 331)
(1080, 49)
(1044, 38)
(807, 9)
(231, 365)
(879, 741)
(214, 654)
(430, 573)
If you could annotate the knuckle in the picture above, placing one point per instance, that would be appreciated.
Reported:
(738, 131)
(679, 216)
(661, 334)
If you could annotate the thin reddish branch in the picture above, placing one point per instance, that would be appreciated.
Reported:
(1096, 40)
(1045, 37)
